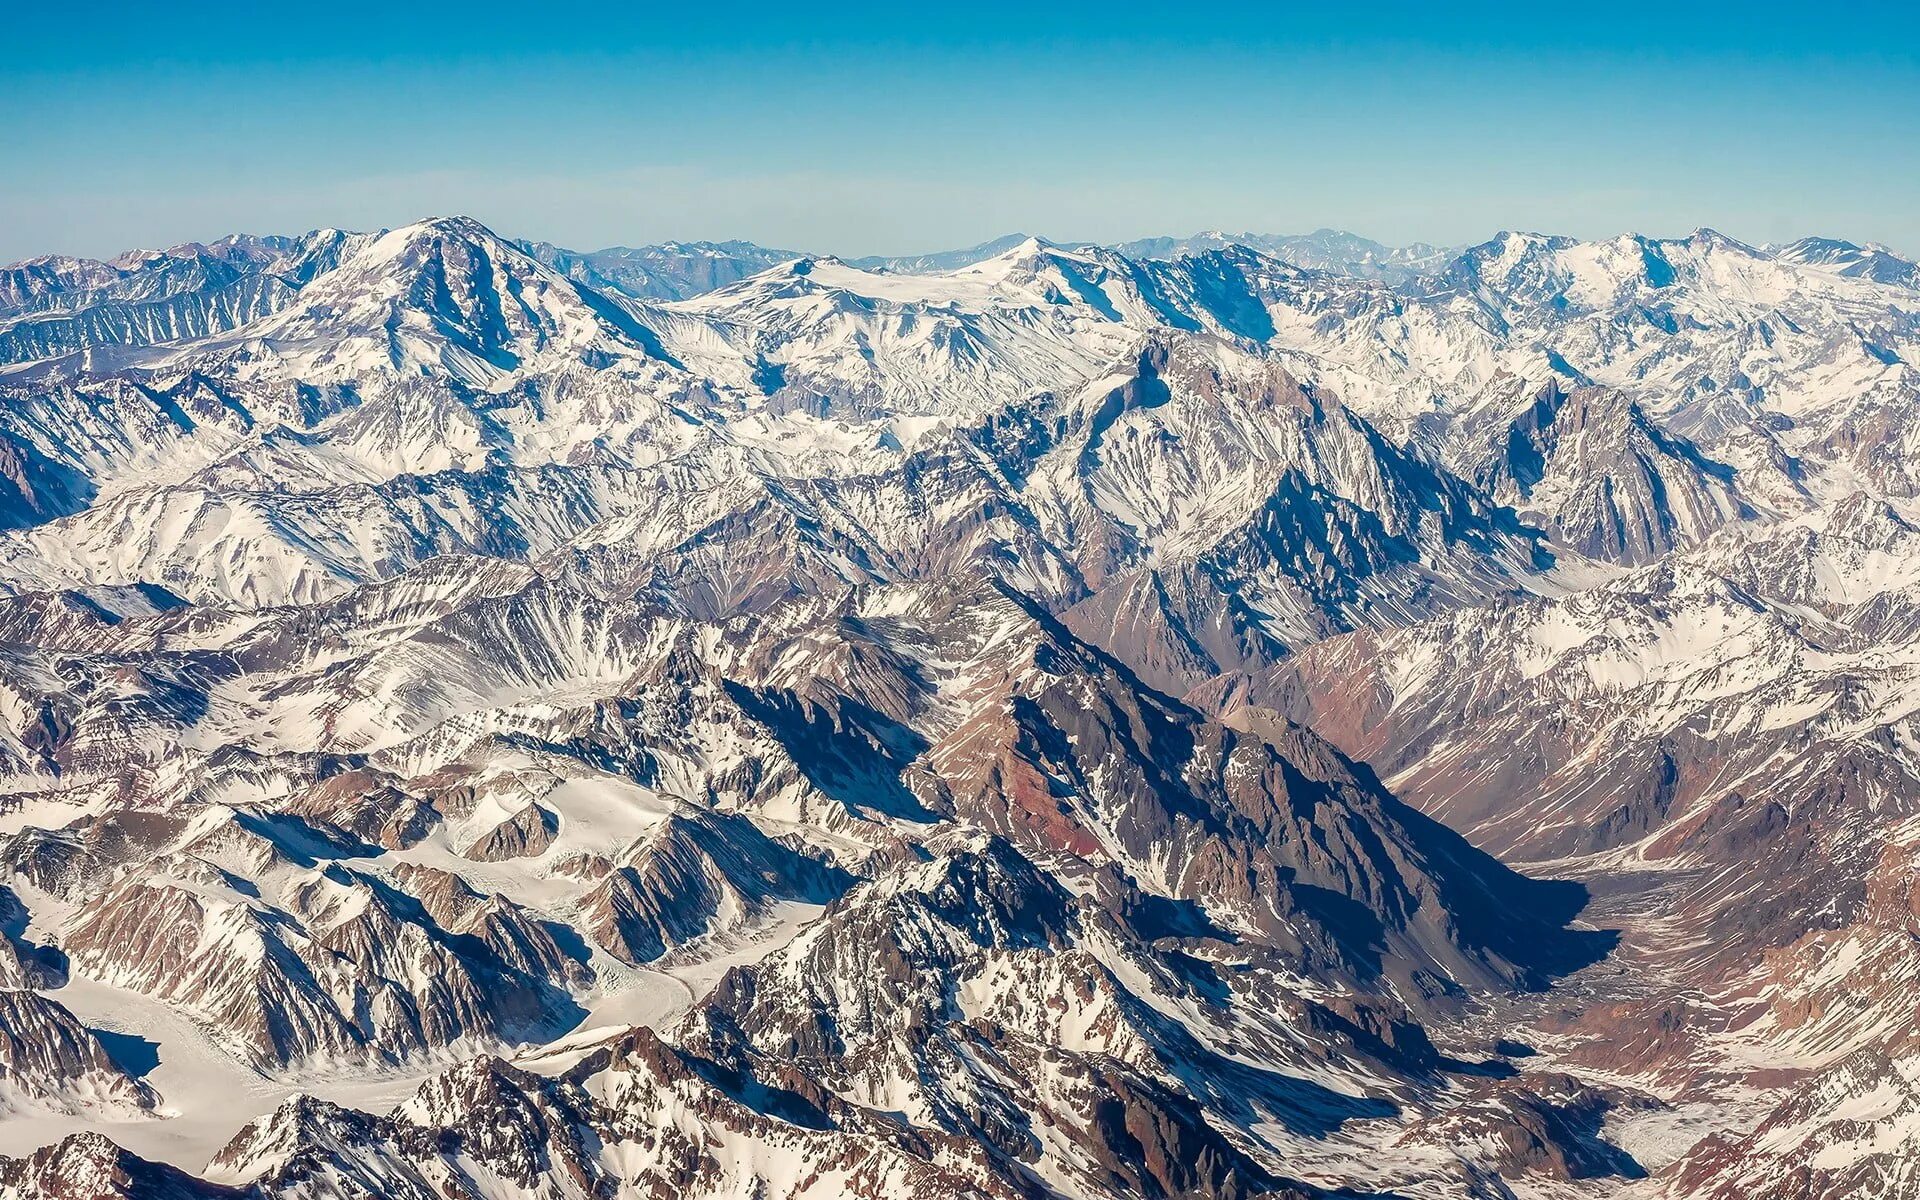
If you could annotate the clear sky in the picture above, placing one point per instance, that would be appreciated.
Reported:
(916, 125)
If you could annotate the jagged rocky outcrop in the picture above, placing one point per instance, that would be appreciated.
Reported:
(694, 875)
(89, 1166)
(49, 1060)
(1605, 480)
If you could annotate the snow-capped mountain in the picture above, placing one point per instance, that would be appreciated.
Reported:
(482, 720)
(1332, 250)
(942, 260)
(52, 306)
(1591, 467)
(666, 271)
(1872, 261)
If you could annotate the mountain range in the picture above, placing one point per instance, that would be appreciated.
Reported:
(1224, 716)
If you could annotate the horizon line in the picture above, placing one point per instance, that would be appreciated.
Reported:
(1232, 238)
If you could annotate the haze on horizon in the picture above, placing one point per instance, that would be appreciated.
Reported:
(872, 131)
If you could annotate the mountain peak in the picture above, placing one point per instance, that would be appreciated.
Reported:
(1712, 239)
(429, 229)
(444, 294)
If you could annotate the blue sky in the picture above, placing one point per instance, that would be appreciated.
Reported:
(902, 127)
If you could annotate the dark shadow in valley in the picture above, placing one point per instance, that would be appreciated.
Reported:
(851, 752)
(135, 1055)
(1523, 919)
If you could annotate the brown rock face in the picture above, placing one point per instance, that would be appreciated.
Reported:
(525, 834)
(1533, 1126)
(49, 1059)
(698, 873)
(87, 1166)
